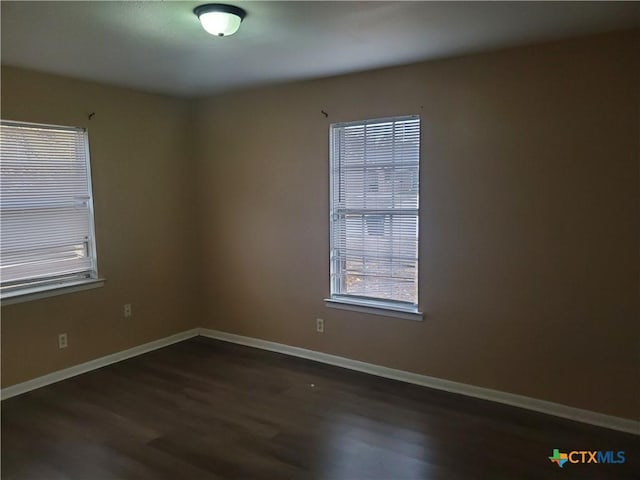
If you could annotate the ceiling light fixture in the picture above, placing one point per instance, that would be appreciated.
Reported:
(219, 19)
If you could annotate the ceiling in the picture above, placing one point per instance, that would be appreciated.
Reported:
(161, 47)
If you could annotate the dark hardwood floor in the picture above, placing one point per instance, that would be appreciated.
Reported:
(204, 409)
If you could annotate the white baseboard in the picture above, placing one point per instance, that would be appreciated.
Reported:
(534, 404)
(59, 375)
(542, 406)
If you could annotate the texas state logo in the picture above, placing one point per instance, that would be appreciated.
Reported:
(587, 456)
(559, 458)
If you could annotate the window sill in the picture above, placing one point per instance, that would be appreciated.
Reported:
(374, 308)
(35, 293)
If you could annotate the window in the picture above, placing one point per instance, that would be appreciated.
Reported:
(46, 208)
(374, 213)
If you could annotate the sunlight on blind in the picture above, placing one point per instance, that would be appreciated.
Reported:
(374, 209)
(45, 205)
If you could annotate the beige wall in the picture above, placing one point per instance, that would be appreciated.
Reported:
(529, 223)
(142, 183)
(529, 219)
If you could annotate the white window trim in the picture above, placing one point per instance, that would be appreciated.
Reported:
(374, 307)
(388, 308)
(62, 288)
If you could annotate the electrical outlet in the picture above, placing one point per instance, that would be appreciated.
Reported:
(62, 340)
(319, 325)
(127, 310)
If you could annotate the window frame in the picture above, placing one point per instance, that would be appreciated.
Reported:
(34, 288)
(371, 305)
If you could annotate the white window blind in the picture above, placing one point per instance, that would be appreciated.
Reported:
(374, 211)
(46, 208)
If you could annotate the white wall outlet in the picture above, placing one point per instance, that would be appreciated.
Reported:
(127, 310)
(319, 325)
(62, 341)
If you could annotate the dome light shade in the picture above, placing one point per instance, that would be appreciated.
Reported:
(219, 19)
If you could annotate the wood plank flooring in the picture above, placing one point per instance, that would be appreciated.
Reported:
(204, 409)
